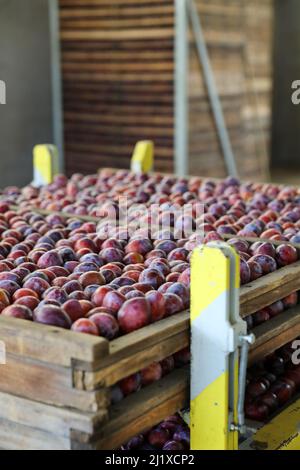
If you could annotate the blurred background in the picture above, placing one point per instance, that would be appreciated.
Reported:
(95, 76)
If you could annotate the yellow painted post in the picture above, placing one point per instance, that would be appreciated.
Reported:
(45, 164)
(143, 157)
(216, 330)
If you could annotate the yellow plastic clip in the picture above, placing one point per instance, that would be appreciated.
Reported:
(45, 164)
(143, 157)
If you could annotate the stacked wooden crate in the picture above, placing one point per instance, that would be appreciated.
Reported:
(118, 80)
(221, 22)
(239, 39)
(117, 61)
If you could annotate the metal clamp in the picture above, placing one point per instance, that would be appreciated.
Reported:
(245, 342)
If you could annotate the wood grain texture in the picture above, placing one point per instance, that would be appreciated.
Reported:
(118, 69)
(118, 80)
(131, 353)
(141, 411)
(49, 344)
(275, 333)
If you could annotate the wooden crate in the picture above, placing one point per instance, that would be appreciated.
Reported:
(55, 388)
(57, 384)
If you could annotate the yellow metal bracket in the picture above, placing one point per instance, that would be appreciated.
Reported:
(45, 164)
(143, 157)
(217, 333)
(282, 433)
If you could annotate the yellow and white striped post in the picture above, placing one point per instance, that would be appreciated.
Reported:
(45, 164)
(216, 331)
(143, 157)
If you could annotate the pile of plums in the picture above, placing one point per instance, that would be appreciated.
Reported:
(230, 206)
(59, 272)
(261, 258)
(149, 375)
(171, 434)
(273, 310)
(272, 383)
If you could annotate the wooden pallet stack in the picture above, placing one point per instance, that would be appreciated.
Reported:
(117, 62)
(226, 54)
(258, 56)
(55, 386)
(118, 81)
(239, 40)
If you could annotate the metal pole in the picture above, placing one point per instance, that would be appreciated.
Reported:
(181, 89)
(212, 89)
(57, 111)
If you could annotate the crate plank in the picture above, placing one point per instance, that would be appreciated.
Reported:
(50, 344)
(268, 289)
(275, 333)
(139, 412)
(18, 437)
(59, 421)
(47, 383)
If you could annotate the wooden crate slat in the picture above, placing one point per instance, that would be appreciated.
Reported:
(268, 289)
(131, 353)
(59, 421)
(47, 383)
(50, 344)
(139, 412)
(275, 333)
(15, 436)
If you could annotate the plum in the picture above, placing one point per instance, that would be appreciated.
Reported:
(265, 248)
(91, 277)
(267, 263)
(157, 304)
(37, 284)
(151, 374)
(245, 273)
(286, 254)
(173, 445)
(256, 270)
(158, 437)
(153, 277)
(291, 300)
(182, 291)
(113, 301)
(73, 309)
(30, 302)
(86, 326)
(17, 311)
(99, 294)
(173, 304)
(51, 258)
(257, 411)
(130, 384)
(52, 315)
(134, 314)
(167, 365)
(139, 245)
(107, 325)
